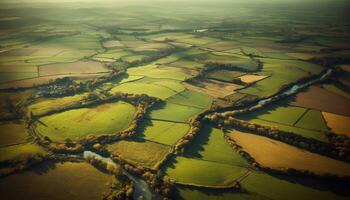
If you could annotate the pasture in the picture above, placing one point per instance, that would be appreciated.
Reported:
(190, 171)
(162, 132)
(43, 106)
(216, 89)
(273, 187)
(140, 153)
(174, 112)
(210, 145)
(76, 124)
(80, 67)
(21, 152)
(81, 180)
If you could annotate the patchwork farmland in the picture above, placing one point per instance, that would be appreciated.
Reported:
(174, 100)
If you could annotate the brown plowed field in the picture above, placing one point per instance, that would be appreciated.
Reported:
(323, 100)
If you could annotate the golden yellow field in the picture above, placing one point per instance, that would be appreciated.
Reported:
(280, 156)
(213, 88)
(251, 78)
(339, 124)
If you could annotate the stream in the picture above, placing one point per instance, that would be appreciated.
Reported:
(296, 87)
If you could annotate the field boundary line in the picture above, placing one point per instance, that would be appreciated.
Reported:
(166, 120)
(301, 116)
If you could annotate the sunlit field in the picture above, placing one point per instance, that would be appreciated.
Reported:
(165, 99)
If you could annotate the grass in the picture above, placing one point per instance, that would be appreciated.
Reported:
(13, 133)
(282, 73)
(163, 132)
(137, 87)
(224, 75)
(199, 172)
(81, 181)
(152, 71)
(46, 105)
(216, 89)
(310, 98)
(174, 112)
(14, 76)
(335, 89)
(140, 153)
(207, 194)
(275, 188)
(313, 120)
(298, 131)
(78, 123)
(210, 145)
(191, 98)
(282, 156)
(281, 113)
(20, 151)
(79, 67)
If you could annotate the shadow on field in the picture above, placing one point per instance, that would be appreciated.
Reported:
(340, 187)
(44, 167)
(215, 193)
(140, 132)
(199, 141)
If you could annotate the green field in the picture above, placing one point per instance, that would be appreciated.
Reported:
(283, 114)
(191, 98)
(299, 131)
(300, 121)
(13, 76)
(140, 153)
(79, 123)
(224, 75)
(171, 74)
(199, 172)
(174, 112)
(276, 188)
(210, 145)
(282, 73)
(162, 132)
(20, 152)
(150, 89)
(153, 71)
(313, 120)
(196, 193)
(46, 105)
(81, 181)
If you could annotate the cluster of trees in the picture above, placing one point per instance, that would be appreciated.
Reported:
(158, 183)
(329, 61)
(155, 56)
(118, 194)
(68, 147)
(23, 162)
(193, 131)
(61, 87)
(342, 144)
(67, 86)
(103, 165)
